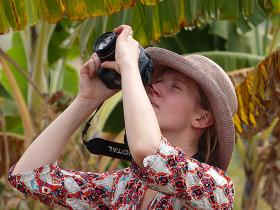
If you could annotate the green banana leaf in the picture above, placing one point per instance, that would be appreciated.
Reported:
(230, 61)
(168, 15)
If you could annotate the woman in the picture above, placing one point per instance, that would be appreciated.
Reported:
(179, 131)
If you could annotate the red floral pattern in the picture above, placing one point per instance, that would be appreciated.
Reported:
(181, 182)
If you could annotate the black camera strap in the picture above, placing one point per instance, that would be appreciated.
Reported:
(99, 146)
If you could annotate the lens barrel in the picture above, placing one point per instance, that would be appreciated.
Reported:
(105, 46)
(105, 50)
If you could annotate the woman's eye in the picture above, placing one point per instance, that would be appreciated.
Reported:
(176, 86)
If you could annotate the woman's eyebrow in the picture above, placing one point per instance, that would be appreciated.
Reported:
(178, 78)
(181, 80)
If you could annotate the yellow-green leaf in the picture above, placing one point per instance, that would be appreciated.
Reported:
(258, 97)
(17, 14)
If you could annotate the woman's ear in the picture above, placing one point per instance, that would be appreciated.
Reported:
(204, 120)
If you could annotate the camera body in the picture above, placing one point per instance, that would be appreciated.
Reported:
(105, 50)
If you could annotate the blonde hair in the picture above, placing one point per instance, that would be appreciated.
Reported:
(208, 140)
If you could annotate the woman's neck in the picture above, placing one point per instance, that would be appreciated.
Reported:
(184, 140)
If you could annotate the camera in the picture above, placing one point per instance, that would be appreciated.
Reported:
(105, 50)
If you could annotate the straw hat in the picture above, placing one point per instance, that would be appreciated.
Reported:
(217, 87)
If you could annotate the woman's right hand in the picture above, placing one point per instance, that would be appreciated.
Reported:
(91, 87)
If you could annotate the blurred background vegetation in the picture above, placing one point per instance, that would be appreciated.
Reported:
(44, 43)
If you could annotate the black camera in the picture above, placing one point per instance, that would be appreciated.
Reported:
(105, 50)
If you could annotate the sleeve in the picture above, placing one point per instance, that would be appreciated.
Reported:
(196, 184)
(65, 188)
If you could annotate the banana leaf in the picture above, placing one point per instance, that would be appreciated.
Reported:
(168, 15)
(258, 97)
(230, 61)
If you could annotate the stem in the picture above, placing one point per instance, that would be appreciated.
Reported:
(56, 77)
(20, 70)
(21, 105)
(14, 135)
(6, 145)
(251, 201)
(242, 151)
(265, 37)
(26, 41)
(39, 71)
(274, 39)
(257, 41)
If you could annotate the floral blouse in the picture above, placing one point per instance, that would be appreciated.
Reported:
(181, 183)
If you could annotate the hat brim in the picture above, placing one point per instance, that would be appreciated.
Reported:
(189, 66)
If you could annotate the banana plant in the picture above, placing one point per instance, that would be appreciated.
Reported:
(163, 16)
(48, 73)
(257, 122)
(31, 79)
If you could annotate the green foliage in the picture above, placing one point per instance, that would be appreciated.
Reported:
(9, 107)
(2, 187)
(193, 40)
(4, 93)
(17, 52)
(235, 44)
(230, 61)
(56, 49)
(115, 122)
(14, 124)
(214, 41)
(70, 80)
(165, 16)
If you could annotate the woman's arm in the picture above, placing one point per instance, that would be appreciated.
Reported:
(142, 128)
(47, 147)
(71, 189)
(141, 124)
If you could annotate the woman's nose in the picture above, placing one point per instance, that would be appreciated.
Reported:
(155, 89)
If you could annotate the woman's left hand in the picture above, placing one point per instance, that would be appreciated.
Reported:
(126, 52)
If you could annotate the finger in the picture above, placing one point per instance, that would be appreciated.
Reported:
(124, 30)
(109, 65)
(96, 66)
(92, 69)
(94, 56)
(96, 60)
(85, 67)
(120, 28)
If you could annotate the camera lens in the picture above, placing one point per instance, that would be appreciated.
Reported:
(105, 46)
(105, 50)
(104, 42)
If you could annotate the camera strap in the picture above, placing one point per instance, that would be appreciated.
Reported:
(99, 146)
